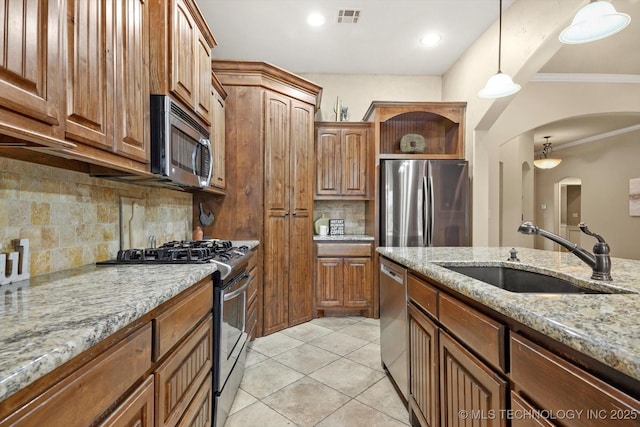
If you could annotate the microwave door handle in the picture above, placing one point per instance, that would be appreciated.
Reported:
(207, 143)
(194, 155)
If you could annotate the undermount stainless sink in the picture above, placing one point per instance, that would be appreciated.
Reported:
(522, 281)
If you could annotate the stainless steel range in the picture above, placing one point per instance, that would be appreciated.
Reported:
(229, 310)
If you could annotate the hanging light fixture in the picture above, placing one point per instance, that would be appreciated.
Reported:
(546, 162)
(499, 85)
(595, 21)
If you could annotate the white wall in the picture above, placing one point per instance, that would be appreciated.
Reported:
(358, 91)
(605, 167)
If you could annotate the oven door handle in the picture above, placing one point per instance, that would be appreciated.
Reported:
(235, 293)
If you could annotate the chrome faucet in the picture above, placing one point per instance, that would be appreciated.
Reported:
(599, 261)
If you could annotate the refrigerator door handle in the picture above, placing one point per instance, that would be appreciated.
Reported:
(425, 212)
(432, 213)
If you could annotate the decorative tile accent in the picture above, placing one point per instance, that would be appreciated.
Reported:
(72, 219)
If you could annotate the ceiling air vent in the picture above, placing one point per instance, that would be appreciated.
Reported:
(348, 16)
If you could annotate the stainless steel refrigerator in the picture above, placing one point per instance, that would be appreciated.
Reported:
(424, 203)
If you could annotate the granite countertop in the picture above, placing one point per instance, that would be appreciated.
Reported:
(47, 320)
(605, 327)
(342, 237)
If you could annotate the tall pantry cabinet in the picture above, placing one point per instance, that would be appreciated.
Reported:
(270, 159)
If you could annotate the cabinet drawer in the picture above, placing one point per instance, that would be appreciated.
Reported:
(522, 408)
(175, 322)
(343, 249)
(88, 392)
(423, 295)
(252, 290)
(482, 334)
(180, 376)
(555, 385)
(253, 261)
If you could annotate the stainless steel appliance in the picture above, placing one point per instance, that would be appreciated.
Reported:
(424, 203)
(180, 146)
(393, 324)
(231, 282)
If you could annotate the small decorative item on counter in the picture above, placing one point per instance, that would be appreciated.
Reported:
(324, 230)
(344, 114)
(323, 220)
(14, 266)
(198, 234)
(336, 227)
(412, 143)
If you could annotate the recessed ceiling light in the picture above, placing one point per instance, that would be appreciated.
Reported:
(431, 39)
(315, 19)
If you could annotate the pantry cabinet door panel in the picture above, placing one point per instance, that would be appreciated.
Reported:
(89, 103)
(276, 272)
(132, 79)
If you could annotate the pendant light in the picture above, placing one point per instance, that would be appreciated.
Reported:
(499, 85)
(595, 21)
(546, 162)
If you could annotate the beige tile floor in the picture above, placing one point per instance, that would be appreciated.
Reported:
(323, 373)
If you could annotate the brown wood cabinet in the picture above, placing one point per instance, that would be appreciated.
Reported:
(252, 296)
(343, 278)
(441, 124)
(107, 69)
(269, 184)
(218, 141)
(31, 72)
(119, 383)
(424, 369)
(181, 54)
(554, 386)
(342, 160)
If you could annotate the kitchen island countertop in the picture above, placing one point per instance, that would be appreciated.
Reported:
(605, 327)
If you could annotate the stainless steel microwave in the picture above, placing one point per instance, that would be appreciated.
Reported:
(180, 147)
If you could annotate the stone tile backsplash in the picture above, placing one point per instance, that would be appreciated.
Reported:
(353, 213)
(72, 219)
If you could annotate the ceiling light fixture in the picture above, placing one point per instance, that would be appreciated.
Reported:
(431, 39)
(499, 85)
(315, 20)
(546, 162)
(595, 21)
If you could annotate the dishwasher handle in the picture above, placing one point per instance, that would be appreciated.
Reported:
(386, 270)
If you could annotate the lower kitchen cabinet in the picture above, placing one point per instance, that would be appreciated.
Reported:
(552, 385)
(460, 373)
(137, 410)
(252, 297)
(343, 278)
(424, 393)
(118, 382)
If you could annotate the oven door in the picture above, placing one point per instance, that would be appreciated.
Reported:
(233, 334)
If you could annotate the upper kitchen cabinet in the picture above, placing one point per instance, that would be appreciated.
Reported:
(107, 79)
(429, 130)
(342, 160)
(181, 54)
(31, 96)
(269, 183)
(218, 96)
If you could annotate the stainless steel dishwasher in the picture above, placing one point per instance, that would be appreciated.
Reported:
(394, 324)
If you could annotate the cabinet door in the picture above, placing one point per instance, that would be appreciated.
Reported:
(30, 66)
(354, 162)
(466, 384)
(423, 368)
(218, 140)
(329, 282)
(328, 162)
(90, 104)
(137, 410)
(276, 205)
(301, 219)
(357, 282)
(203, 101)
(131, 85)
(183, 54)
